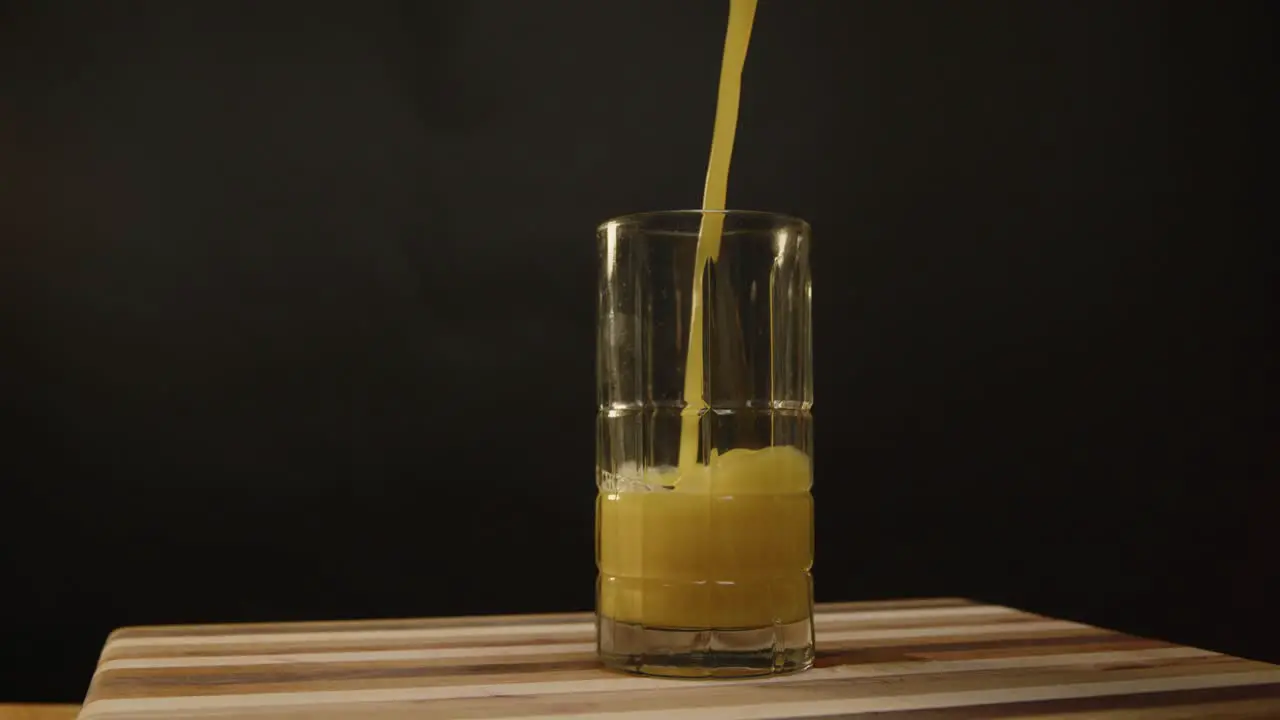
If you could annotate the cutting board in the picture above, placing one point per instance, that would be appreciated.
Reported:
(937, 659)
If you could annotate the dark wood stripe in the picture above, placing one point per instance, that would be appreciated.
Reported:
(920, 652)
(828, 651)
(1087, 644)
(908, 667)
(695, 695)
(828, 627)
(1040, 708)
(1002, 648)
(924, 679)
(217, 630)
(340, 643)
(114, 682)
(174, 682)
(242, 679)
(894, 604)
(549, 641)
(825, 623)
(472, 621)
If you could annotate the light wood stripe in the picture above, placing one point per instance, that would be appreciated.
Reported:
(919, 659)
(471, 653)
(371, 660)
(579, 628)
(370, 656)
(965, 699)
(912, 633)
(1208, 704)
(828, 648)
(1026, 628)
(795, 709)
(344, 625)
(528, 680)
(338, 643)
(867, 608)
(1251, 709)
(584, 626)
(173, 645)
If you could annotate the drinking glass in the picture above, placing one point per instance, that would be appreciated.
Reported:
(704, 517)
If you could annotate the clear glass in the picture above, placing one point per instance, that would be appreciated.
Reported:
(704, 561)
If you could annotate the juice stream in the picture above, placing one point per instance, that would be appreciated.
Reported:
(742, 15)
(731, 545)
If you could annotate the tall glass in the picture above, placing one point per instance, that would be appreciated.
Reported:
(704, 518)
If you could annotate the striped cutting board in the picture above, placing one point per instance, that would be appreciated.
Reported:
(897, 660)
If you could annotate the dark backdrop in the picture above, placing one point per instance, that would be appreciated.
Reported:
(297, 301)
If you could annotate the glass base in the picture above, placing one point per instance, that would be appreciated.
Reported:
(712, 653)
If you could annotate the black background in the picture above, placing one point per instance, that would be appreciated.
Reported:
(297, 301)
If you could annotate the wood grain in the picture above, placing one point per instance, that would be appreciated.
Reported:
(37, 711)
(938, 659)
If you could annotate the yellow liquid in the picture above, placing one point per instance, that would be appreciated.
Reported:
(729, 547)
(742, 15)
(731, 544)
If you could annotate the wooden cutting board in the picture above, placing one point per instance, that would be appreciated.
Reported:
(37, 712)
(898, 660)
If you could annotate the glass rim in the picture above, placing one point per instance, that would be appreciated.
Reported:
(640, 218)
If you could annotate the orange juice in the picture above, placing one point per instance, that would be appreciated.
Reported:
(729, 546)
(742, 15)
(722, 545)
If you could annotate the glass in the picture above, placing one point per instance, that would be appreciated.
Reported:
(704, 559)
